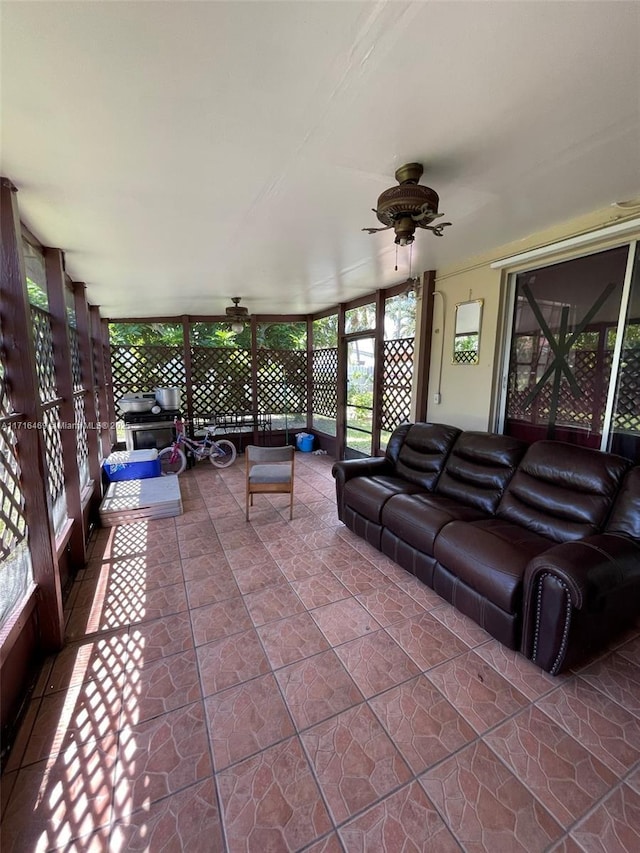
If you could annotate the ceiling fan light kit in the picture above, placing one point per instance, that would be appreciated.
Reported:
(237, 315)
(408, 206)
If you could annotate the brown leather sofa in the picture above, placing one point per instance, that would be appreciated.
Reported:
(539, 544)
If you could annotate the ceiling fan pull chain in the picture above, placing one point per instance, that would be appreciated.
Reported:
(396, 257)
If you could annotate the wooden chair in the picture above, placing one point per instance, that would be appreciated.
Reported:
(269, 471)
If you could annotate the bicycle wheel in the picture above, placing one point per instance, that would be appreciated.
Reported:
(172, 461)
(226, 453)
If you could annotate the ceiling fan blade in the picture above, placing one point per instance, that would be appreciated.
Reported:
(374, 230)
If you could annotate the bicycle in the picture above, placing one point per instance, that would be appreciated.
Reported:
(173, 459)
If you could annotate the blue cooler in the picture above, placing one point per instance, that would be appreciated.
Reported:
(304, 442)
(132, 465)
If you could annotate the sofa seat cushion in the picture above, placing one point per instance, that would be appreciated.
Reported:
(490, 556)
(368, 495)
(417, 519)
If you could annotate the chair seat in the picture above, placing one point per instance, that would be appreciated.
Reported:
(279, 472)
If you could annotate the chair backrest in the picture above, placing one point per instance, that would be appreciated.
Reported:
(266, 455)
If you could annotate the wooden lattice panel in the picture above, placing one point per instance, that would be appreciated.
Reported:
(82, 445)
(221, 380)
(282, 381)
(397, 379)
(325, 382)
(53, 450)
(43, 344)
(627, 415)
(466, 356)
(13, 526)
(583, 410)
(76, 365)
(141, 369)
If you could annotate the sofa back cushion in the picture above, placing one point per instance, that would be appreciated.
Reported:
(625, 517)
(424, 452)
(396, 441)
(479, 468)
(563, 491)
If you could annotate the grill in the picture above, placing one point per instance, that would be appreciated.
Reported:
(146, 430)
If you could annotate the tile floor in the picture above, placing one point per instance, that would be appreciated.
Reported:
(283, 686)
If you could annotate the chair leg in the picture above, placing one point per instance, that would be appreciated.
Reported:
(291, 507)
(246, 508)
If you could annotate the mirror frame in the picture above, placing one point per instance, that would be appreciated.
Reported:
(458, 356)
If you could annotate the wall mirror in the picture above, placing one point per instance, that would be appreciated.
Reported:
(466, 338)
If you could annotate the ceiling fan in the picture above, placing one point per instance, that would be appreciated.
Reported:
(237, 315)
(408, 206)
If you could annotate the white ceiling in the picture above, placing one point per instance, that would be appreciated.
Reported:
(182, 153)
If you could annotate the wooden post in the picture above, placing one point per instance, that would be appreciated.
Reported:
(54, 268)
(254, 381)
(378, 372)
(98, 359)
(20, 366)
(186, 356)
(88, 383)
(309, 373)
(106, 360)
(422, 351)
(341, 414)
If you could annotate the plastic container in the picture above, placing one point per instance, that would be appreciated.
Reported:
(304, 442)
(132, 465)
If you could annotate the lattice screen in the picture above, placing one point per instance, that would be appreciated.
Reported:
(13, 526)
(585, 410)
(15, 559)
(627, 415)
(76, 366)
(397, 378)
(221, 381)
(142, 369)
(45, 370)
(45, 364)
(466, 356)
(282, 382)
(325, 382)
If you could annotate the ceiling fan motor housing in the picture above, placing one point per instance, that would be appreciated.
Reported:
(408, 199)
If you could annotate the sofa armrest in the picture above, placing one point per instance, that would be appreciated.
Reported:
(349, 468)
(577, 597)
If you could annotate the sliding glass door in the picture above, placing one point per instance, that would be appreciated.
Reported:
(573, 370)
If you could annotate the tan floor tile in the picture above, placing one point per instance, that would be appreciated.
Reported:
(562, 774)
(231, 660)
(405, 820)
(354, 761)
(316, 688)
(613, 826)
(426, 640)
(344, 620)
(160, 686)
(291, 639)
(245, 719)
(421, 723)
(273, 603)
(64, 797)
(188, 820)
(160, 757)
(271, 801)
(217, 586)
(604, 728)
(319, 590)
(485, 806)
(219, 620)
(476, 690)
(376, 662)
